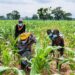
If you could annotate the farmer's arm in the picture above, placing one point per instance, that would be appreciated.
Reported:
(16, 31)
(24, 28)
(62, 42)
(32, 39)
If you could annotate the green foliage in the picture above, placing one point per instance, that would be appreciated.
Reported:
(53, 14)
(42, 56)
(13, 15)
(40, 60)
(44, 13)
(18, 72)
(59, 14)
(35, 17)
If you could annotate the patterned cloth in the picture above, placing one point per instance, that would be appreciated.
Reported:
(25, 50)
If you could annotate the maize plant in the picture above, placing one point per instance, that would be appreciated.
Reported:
(42, 57)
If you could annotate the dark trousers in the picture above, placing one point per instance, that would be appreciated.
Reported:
(25, 63)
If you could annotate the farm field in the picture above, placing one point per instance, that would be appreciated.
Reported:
(40, 63)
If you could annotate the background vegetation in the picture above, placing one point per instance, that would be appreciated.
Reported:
(8, 51)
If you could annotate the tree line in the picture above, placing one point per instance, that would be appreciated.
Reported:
(43, 14)
(14, 15)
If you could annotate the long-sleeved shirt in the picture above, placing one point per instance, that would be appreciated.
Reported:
(19, 30)
(27, 46)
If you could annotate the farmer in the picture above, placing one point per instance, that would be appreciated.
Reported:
(57, 40)
(19, 28)
(24, 45)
